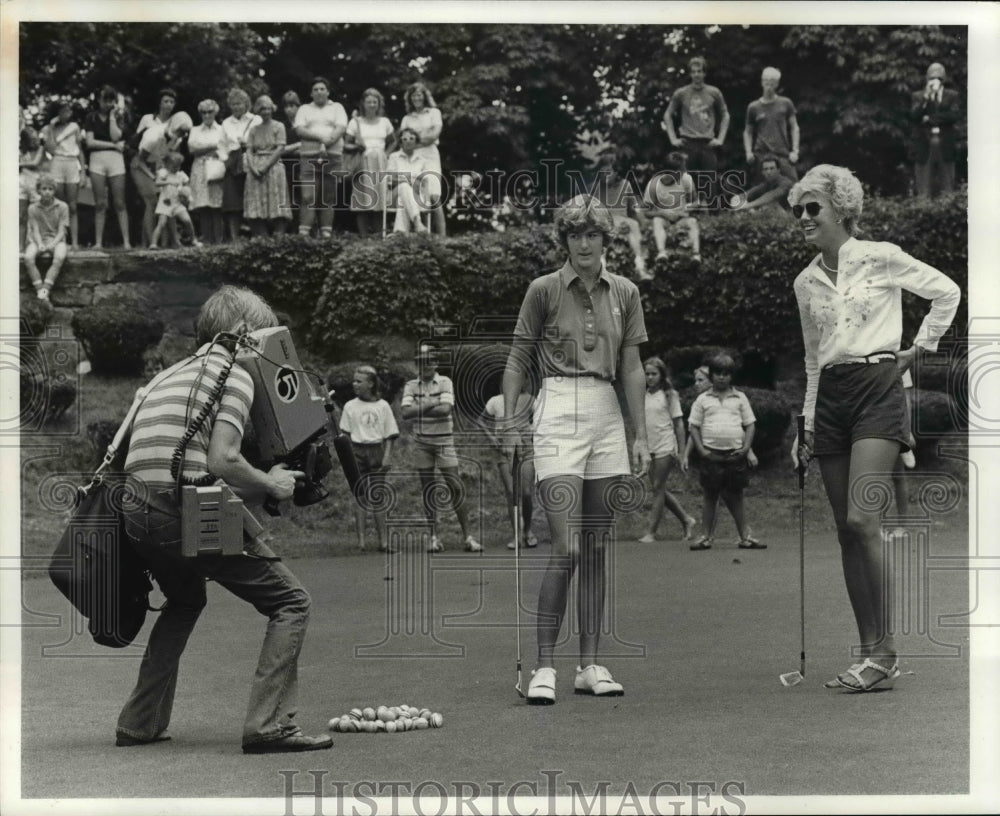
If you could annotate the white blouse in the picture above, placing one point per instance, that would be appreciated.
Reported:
(863, 313)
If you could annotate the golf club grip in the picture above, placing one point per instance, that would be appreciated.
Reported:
(801, 420)
(345, 453)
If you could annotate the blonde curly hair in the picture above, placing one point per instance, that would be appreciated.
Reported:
(839, 186)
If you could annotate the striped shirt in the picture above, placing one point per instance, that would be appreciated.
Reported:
(173, 405)
(439, 391)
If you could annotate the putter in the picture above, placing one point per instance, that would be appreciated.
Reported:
(515, 483)
(794, 678)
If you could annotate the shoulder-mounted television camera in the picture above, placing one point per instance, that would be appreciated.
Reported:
(290, 414)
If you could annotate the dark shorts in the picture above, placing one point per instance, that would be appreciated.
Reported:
(859, 401)
(371, 485)
(729, 476)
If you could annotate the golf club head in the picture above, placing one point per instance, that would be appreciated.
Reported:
(790, 678)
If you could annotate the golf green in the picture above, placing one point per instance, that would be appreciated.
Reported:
(697, 638)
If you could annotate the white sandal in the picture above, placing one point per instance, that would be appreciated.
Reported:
(886, 681)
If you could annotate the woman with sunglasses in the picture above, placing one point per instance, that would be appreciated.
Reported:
(850, 305)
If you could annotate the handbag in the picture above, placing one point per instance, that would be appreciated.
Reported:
(236, 159)
(215, 169)
(94, 564)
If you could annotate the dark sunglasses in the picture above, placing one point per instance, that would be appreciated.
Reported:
(812, 209)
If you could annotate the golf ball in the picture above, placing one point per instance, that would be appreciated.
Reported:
(386, 715)
(436, 720)
(369, 713)
(390, 727)
(334, 724)
(357, 713)
(420, 724)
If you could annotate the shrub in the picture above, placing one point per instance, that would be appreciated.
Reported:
(36, 315)
(391, 380)
(741, 293)
(115, 334)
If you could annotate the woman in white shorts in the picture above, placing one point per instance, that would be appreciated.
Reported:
(582, 327)
(104, 135)
(63, 139)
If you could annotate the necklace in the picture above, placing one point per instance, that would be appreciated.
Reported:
(822, 263)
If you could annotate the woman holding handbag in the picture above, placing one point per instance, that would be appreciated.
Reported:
(235, 129)
(207, 172)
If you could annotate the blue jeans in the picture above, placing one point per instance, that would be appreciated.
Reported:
(270, 586)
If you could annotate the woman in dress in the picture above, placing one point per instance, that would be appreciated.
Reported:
(104, 135)
(369, 133)
(423, 116)
(265, 198)
(206, 195)
(856, 424)
(63, 139)
(154, 145)
(236, 130)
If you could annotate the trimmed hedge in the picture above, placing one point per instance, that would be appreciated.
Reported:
(116, 333)
(740, 295)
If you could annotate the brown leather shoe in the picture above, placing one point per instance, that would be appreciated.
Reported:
(290, 744)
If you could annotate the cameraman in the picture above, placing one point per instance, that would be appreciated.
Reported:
(153, 524)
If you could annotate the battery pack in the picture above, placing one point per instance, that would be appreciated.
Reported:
(211, 521)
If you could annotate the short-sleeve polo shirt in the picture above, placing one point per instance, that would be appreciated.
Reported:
(581, 333)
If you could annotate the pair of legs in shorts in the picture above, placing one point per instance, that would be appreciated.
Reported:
(66, 172)
(659, 470)
(631, 227)
(107, 174)
(525, 489)
(371, 492)
(433, 453)
(724, 474)
(684, 226)
(860, 428)
(580, 458)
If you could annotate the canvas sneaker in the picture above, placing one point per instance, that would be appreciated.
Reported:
(596, 680)
(542, 688)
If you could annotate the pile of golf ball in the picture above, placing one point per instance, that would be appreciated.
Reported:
(386, 719)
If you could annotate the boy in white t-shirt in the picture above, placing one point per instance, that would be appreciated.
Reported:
(722, 426)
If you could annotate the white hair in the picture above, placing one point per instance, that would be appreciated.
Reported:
(770, 72)
(839, 186)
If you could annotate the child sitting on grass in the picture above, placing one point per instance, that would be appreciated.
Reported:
(722, 427)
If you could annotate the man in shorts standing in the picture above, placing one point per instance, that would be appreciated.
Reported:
(428, 401)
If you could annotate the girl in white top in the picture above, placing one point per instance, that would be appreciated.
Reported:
(850, 306)
(369, 422)
(665, 428)
(63, 139)
(423, 116)
(369, 133)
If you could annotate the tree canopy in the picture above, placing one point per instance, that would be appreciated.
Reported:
(515, 95)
